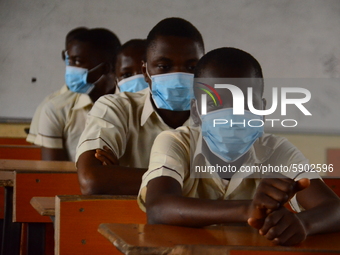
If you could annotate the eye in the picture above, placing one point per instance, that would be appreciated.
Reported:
(211, 106)
(191, 68)
(125, 75)
(163, 67)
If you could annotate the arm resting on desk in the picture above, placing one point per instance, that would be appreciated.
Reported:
(166, 205)
(49, 154)
(96, 178)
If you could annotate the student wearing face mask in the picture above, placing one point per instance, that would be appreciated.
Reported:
(91, 57)
(129, 66)
(35, 120)
(178, 189)
(127, 124)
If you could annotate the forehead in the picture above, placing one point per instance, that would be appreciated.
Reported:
(172, 47)
(77, 47)
(242, 77)
(86, 52)
(130, 55)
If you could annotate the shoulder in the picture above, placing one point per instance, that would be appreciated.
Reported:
(178, 139)
(271, 141)
(62, 100)
(122, 104)
(122, 99)
(277, 150)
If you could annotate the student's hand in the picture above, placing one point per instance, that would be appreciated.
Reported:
(106, 156)
(271, 194)
(283, 227)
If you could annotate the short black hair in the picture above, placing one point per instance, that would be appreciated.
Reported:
(229, 57)
(71, 34)
(101, 39)
(133, 43)
(174, 27)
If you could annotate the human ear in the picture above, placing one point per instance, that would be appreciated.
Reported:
(144, 71)
(264, 105)
(63, 55)
(107, 68)
(194, 113)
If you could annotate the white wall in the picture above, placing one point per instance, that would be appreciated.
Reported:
(290, 38)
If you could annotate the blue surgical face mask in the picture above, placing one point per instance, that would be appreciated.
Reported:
(133, 84)
(229, 141)
(172, 91)
(76, 79)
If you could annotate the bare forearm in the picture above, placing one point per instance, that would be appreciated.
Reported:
(322, 219)
(48, 154)
(192, 212)
(111, 180)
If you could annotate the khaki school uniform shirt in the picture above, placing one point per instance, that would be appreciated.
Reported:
(126, 123)
(35, 120)
(62, 120)
(170, 156)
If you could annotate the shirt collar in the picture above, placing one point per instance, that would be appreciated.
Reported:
(148, 110)
(258, 154)
(82, 101)
(63, 89)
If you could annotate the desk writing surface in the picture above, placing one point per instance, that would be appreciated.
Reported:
(45, 206)
(162, 238)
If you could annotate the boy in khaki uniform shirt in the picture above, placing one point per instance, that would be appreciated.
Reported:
(89, 74)
(127, 124)
(171, 193)
(35, 120)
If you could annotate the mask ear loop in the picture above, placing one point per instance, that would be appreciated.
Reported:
(147, 73)
(94, 68)
(146, 69)
(195, 116)
(97, 81)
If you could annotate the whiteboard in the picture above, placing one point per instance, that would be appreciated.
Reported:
(291, 39)
(323, 106)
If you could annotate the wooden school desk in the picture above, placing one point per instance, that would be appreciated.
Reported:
(24, 179)
(77, 219)
(236, 240)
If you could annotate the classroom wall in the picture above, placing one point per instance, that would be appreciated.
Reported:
(290, 38)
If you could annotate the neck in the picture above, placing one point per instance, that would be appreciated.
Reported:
(105, 85)
(214, 160)
(173, 119)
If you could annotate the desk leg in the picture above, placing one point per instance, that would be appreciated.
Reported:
(11, 230)
(1, 234)
(36, 239)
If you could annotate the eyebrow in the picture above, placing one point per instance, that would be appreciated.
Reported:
(163, 59)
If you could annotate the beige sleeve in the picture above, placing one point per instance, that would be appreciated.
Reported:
(169, 157)
(295, 165)
(106, 125)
